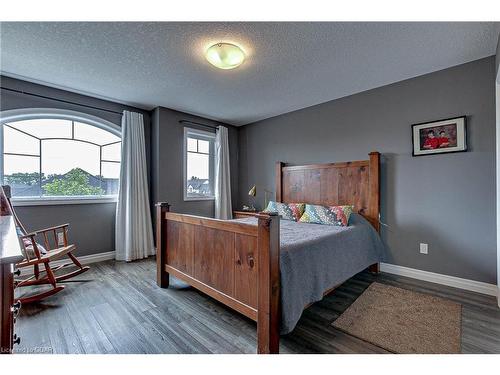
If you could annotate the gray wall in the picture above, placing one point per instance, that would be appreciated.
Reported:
(167, 157)
(497, 59)
(447, 201)
(91, 225)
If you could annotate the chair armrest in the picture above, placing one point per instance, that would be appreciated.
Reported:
(62, 226)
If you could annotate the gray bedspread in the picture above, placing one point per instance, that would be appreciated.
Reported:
(315, 258)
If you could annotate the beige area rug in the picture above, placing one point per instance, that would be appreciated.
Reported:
(403, 321)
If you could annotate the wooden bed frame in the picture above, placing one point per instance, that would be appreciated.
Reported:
(237, 263)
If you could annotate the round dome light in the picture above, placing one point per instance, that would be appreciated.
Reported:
(225, 55)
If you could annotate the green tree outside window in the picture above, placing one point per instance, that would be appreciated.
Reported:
(75, 182)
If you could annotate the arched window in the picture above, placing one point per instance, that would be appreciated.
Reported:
(54, 154)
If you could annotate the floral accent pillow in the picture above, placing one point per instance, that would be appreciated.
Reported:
(27, 248)
(290, 211)
(333, 215)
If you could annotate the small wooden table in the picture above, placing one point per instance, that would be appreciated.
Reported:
(244, 214)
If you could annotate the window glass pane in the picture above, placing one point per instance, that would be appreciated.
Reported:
(191, 144)
(70, 168)
(197, 165)
(198, 183)
(110, 170)
(45, 128)
(110, 178)
(19, 143)
(61, 156)
(112, 152)
(203, 146)
(93, 134)
(22, 174)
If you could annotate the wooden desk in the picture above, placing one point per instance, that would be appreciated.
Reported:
(10, 254)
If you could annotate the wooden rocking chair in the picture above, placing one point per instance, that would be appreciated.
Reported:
(36, 255)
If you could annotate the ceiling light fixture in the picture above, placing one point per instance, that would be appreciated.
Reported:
(225, 55)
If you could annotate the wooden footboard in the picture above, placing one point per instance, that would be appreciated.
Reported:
(234, 263)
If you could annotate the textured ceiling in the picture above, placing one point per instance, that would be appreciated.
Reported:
(289, 65)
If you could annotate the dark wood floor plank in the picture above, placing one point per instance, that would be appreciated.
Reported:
(62, 333)
(90, 333)
(118, 308)
(114, 328)
(174, 334)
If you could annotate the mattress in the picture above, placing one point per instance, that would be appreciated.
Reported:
(315, 258)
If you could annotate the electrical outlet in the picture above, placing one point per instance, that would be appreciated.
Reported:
(60, 239)
(424, 248)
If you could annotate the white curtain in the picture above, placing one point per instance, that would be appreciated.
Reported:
(134, 231)
(223, 208)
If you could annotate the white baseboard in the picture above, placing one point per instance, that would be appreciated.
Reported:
(456, 282)
(88, 259)
(84, 259)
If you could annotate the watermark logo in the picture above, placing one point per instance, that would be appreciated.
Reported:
(34, 350)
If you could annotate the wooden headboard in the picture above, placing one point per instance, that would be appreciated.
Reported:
(351, 182)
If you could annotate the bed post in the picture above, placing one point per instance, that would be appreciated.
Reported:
(161, 241)
(374, 186)
(278, 182)
(374, 198)
(268, 319)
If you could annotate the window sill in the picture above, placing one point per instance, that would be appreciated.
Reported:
(188, 199)
(61, 201)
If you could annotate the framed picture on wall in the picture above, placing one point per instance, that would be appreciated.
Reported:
(440, 137)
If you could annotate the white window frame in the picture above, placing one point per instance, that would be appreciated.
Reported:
(13, 115)
(187, 132)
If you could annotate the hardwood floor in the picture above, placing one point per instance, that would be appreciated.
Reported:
(117, 308)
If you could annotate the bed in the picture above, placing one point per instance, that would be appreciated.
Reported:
(270, 269)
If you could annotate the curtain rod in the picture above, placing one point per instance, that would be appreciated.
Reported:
(59, 100)
(198, 123)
